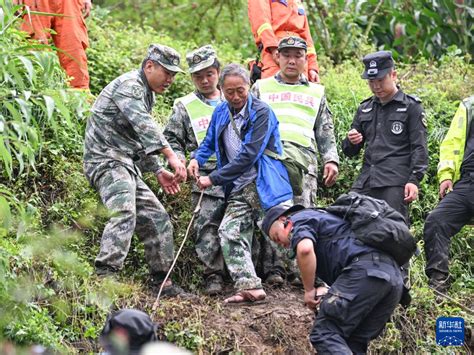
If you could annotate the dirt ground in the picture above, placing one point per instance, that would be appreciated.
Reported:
(280, 325)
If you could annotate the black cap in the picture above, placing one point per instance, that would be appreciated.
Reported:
(377, 65)
(276, 212)
(138, 325)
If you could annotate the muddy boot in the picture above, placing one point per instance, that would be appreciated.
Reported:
(172, 290)
(214, 285)
(103, 272)
(439, 282)
(169, 290)
(275, 280)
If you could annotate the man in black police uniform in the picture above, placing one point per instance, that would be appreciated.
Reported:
(366, 284)
(392, 126)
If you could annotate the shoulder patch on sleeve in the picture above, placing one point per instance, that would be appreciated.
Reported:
(137, 91)
(424, 120)
(416, 98)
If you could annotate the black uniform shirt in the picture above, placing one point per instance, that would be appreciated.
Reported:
(395, 141)
(334, 242)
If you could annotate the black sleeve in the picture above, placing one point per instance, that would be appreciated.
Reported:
(418, 145)
(348, 148)
(299, 232)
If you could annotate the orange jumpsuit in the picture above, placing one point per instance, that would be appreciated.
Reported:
(271, 20)
(70, 35)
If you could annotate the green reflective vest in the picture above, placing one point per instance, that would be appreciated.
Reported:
(451, 152)
(295, 106)
(199, 113)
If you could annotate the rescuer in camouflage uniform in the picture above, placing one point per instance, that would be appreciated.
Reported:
(122, 140)
(294, 100)
(185, 130)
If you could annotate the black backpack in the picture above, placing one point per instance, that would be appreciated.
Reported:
(376, 224)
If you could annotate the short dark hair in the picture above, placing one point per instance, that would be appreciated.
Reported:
(216, 64)
(151, 60)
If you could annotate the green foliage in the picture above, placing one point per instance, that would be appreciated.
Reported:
(184, 335)
(341, 29)
(425, 28)
(35, 106)
(200, 22)
(120, 48)
(411, 29)
(336, 26)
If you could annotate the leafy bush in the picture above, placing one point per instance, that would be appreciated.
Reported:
(36, 108)
(200, 22)
(411, 29)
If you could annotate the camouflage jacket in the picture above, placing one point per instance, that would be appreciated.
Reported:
(323, 127)
(180, 135)
(121, 128)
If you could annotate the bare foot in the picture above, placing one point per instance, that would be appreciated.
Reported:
(247, 296)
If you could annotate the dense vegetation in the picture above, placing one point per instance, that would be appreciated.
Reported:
(341, 29)
(51, 220)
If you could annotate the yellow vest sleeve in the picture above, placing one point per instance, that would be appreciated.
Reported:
(452, 147)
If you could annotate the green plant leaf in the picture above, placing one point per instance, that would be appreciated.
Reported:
(6, 157)
(5, 213)
(29, 68)
(2, 18)
(49, 102)
(25, 109)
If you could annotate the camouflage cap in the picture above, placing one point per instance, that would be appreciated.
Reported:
(201, 58)
(292, 42)
(166, 56)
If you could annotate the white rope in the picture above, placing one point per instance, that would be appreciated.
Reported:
(195, 212)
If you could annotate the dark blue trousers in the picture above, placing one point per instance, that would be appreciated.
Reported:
(358, 305)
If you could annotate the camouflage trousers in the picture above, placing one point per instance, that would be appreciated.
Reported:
(236, 234)
(310, 187)
(206, 237)
(134, 208)
(268, 257)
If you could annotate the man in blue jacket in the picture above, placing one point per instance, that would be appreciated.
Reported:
(240, 131)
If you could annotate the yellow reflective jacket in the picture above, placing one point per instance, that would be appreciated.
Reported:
(451, 151)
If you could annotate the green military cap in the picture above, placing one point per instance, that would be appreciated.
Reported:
(166, 56)
(292, 42)
(201, 58)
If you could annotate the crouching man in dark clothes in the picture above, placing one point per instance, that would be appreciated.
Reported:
(365, 284)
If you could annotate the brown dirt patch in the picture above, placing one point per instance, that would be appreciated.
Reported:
(281, 325)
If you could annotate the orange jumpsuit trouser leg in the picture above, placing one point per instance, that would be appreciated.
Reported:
(70, 38)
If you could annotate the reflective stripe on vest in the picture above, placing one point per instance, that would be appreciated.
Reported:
(199, 113)
(295, 107)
